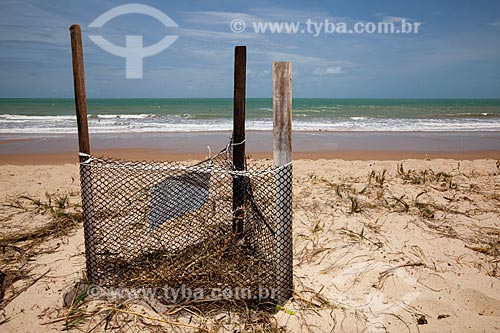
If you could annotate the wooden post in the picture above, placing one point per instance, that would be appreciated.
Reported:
(282, 111)
(238, 141)
(79, 85)
(84, 148)
(282, 153)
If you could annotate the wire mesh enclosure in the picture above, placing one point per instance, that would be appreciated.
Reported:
(220, 225)
(172, 226)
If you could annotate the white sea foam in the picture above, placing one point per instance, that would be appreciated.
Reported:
(122, 116)
(18, 117)
(140, 123)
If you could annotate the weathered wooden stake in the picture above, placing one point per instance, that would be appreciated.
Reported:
(79, 85)
(238, 141)
(282, 153)
(84, 148)
(282, 111)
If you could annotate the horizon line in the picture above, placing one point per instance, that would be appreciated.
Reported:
(393, 98)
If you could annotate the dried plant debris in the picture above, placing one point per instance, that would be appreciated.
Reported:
(96, 313)
(349, 230)
(18, 248)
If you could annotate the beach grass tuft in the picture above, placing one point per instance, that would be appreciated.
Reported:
(19, 247)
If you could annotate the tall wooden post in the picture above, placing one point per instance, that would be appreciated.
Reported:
(282, 153)
(79, 85)
(238, 141)
(84, 149)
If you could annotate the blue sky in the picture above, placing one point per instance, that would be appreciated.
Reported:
(456, 53)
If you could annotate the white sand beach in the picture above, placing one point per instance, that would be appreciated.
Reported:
(398, 246)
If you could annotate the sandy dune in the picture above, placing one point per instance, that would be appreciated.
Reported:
(377, 247)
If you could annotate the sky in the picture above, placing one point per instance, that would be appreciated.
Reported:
(455, 54)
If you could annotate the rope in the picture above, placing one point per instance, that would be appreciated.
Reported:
(119, 165)
(116, 164)
(88, 160)
(237, 144)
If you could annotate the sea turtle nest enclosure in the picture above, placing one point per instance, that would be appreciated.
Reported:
(220, 225)
(163, 224)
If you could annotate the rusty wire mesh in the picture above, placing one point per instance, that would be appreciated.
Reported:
(170, 225)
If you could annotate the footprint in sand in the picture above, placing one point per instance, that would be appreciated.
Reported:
(484, 305)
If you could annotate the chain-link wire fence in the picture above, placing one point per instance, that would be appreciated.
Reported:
(171, 226)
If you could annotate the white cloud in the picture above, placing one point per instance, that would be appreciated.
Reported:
(395, 19)
(299, 59)
(257, 15)
(322, 71)
(218, 35)
(258, 73)
(287, 14)
(216, 17)
(32, 24)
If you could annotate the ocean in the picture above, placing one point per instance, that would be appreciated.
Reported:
(142, 115)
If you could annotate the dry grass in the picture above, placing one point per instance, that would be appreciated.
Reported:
(347, 229)
(359, 207)
(95, 314)
(91, 314)
(64, 217)
(20, 247)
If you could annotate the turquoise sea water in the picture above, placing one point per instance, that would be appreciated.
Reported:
(52, 116)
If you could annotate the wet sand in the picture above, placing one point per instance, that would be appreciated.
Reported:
(58, 149)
